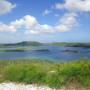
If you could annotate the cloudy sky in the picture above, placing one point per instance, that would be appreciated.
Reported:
(44, 20)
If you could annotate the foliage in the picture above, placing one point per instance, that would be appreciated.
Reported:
(45, 72)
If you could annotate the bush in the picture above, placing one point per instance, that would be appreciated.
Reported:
(47, 73)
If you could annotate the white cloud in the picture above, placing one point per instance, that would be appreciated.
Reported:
(38, 29)
(67, 22)
(5, 27)
(26, 22)
(32, 26)
(74, 5)
(46, 12)
(31, 32)
(6, 7)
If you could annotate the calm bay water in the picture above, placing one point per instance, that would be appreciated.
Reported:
(45, 52)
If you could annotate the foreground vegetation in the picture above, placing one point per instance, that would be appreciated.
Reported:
(45, 72)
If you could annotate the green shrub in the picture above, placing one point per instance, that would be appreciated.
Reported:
(47, 73)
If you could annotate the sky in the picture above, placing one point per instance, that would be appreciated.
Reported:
(44, 20)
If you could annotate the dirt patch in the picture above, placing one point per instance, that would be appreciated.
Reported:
(74, 85)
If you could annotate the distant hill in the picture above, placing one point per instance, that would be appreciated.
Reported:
(31, 43)
(34, 43)
(25, 43)
(86, 45)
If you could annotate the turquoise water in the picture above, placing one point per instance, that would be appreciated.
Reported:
(45, 52)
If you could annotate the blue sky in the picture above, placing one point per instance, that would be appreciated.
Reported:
(44, 20)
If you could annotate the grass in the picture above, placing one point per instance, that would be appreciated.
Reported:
(47, 73)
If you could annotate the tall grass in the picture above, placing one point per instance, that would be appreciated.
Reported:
(45, 72)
